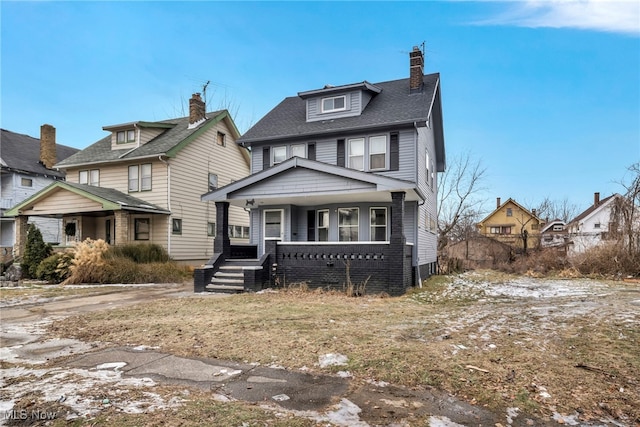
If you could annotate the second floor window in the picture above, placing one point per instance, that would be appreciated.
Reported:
(26, 182)
(221, 139)
(91, 177)
(509, 212)
(355, 153)
(377, 152)
(140, 177)
(279, 154)
(367, 154)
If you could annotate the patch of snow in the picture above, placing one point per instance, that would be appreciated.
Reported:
(344, 374)
(378, 383)
(76, 389)
(511, 414)
(280, 397)
(113, 365)
(332, 359)
(441, 421)
(145, 347)
(566, 419)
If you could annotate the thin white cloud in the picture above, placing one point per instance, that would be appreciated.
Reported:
(616, 16)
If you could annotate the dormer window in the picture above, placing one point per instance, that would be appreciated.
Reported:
(125, 136)
(334, 103)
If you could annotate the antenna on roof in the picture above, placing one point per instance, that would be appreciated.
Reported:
(204, 90)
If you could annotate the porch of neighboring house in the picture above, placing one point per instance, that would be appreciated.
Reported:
(114, 227)
(384, 266)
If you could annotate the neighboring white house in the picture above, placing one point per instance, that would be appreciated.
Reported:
(26, 168)
(592, 226)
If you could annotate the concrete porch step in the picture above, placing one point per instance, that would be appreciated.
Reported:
(229, 289)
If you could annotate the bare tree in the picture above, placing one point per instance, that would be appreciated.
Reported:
(626, 210)
(557, 209)
(458, 206)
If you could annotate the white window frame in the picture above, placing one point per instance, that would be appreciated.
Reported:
(350, 226)
(274, 161)
(295, 147)
(385, 151)
(133, 178)
(321, 214)
(373, 226)
(94, 177)
(332, 100)
(351, 156)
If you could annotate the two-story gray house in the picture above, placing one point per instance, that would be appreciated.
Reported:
(343, 187)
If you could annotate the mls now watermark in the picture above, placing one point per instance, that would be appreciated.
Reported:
(28, 415)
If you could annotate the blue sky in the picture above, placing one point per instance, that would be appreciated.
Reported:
(546, 94)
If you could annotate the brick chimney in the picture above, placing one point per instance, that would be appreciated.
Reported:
(48, 146)
(416, 70)
(596, 199)
(197, 111)
(497, 202)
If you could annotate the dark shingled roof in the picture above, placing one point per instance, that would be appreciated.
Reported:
(109, 194)
(21, 153)
(393, 106)
(101, 152)
(591, 208)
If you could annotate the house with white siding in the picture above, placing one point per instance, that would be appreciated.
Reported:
(342, 189)
(594, 225)
(26, 167)
(142, 184)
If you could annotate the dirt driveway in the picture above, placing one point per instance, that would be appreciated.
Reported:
(39, 367)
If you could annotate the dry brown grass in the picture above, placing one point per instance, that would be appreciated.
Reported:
(497, 352)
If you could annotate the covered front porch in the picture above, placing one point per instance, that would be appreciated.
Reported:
(320, 225)
(91, 212)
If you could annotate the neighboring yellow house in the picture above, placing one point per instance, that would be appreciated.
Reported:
(142, 184)
(513, 224)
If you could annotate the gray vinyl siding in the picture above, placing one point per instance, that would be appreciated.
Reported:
(13, 193)
(256, 159)
(407, 165)
(427, 239)
(326, 150)
(306, 181)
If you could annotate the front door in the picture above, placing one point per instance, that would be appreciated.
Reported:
(273, 225)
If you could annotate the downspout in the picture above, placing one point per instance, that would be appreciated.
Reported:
(168, 201)
(416, 232)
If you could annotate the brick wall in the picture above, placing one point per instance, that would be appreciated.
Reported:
(325, 266)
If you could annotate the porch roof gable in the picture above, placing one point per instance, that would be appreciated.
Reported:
(109, 198)
(362, 181)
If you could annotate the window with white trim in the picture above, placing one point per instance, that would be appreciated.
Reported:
(348, 223)
(334, 103)
(368, 154)
(378, 218)
(90, 177)
(211, 229)
(299, 150)
(355, 153)
(140, 177)
(377, 152)
(323, 225)
(279, 154)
